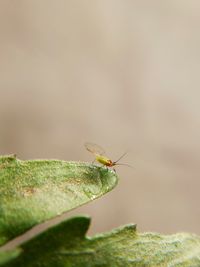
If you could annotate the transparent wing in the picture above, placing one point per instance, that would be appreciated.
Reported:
(95, 149)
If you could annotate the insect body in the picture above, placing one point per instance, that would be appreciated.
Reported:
(104, 160)
(99, 152)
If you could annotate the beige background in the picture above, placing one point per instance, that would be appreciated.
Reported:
(123, 74)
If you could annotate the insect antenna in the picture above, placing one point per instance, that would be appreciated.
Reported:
(120, 157)
(115, 162)
(124, 164)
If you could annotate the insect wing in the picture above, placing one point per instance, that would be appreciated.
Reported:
(95, 149)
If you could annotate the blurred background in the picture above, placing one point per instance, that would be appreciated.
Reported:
(122, 74)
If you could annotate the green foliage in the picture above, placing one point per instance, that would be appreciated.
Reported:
(33, 191)
(36, 190)
(66, 245)
(6, 256)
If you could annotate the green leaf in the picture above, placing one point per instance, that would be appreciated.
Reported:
(36, 190)
(6, 256)
(65, 245)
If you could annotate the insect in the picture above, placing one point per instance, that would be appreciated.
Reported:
(99, 152)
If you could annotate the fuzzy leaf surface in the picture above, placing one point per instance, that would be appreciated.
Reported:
(34, 191)
(66, 245)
